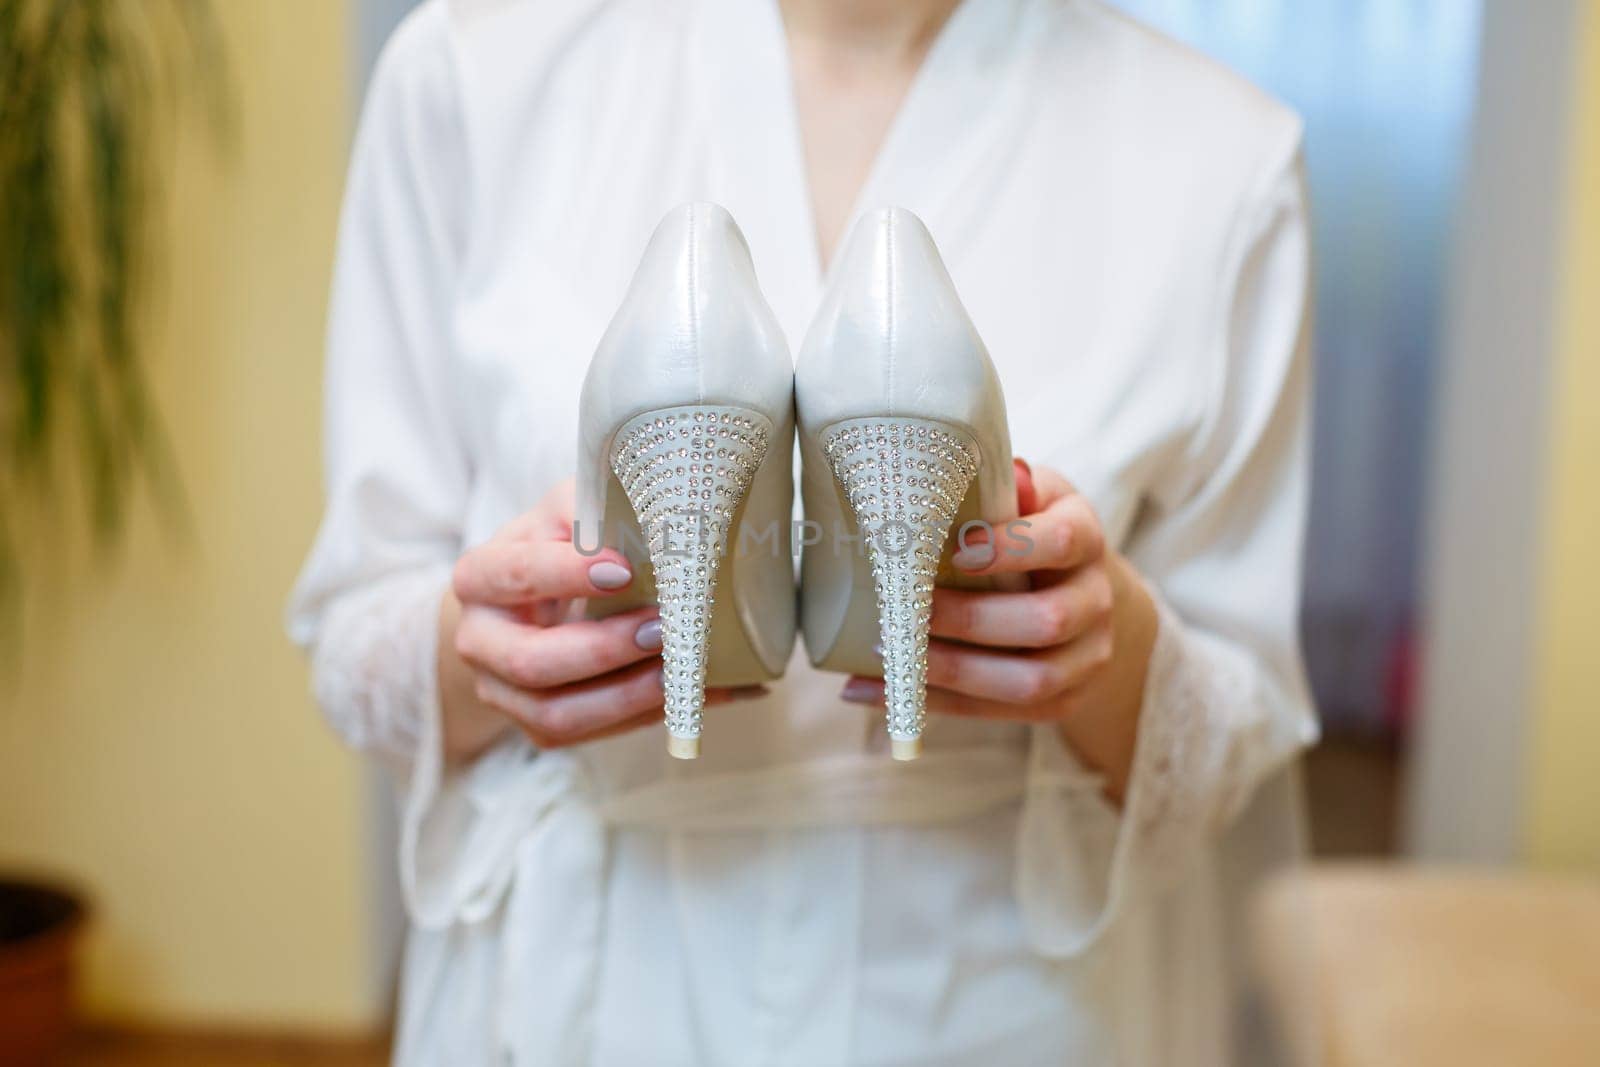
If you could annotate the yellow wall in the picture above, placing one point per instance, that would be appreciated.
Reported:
(160, 746)
(1564, 809)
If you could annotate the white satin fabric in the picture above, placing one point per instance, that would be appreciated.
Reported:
(1126, 225)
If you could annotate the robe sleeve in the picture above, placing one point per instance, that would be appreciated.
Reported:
(397, 476)
(1226, 703)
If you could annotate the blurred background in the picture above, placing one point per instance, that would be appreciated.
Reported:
(159, 753)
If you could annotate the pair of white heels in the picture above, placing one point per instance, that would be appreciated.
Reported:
(686, 463)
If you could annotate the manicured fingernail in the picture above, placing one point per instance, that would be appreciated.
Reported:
(974, 557)
(648, 635)
(1019, 461)
(862, 691)
(609, 575)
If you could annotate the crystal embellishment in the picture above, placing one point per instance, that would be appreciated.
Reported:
(904, 480)
(686, 471)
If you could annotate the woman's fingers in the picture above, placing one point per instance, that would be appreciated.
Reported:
(652, 716)
(510, 572)
(571, 713)
(1063, 535)
(1051, 615)
(1017, 677)
(534, 657)
(1048, 486)
(1027, 492)
(1014, 678)
(1018, 686)
(598, 707)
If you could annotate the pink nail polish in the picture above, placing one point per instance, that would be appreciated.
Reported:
(608, 575)
(974, 557)
(648, 635)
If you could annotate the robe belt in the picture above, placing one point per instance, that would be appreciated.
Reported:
(530, 832)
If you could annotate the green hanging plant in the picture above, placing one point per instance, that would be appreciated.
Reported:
(88, 92)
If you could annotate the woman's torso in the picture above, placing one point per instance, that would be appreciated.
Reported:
(1080, 178)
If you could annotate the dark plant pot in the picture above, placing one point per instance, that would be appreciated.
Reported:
(39, 931)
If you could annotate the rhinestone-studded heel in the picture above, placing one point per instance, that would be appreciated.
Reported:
(685, 472)
(904, 480)
(685, 442)
(903, 443)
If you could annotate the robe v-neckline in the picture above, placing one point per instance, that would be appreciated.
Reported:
(758, 157)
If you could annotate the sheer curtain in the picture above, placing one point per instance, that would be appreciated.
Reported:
(1387, 91)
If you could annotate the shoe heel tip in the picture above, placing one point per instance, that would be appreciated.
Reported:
(683, 747)
(905, 748)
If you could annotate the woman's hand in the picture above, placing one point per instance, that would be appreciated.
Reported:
(1072, 649)
(510, 654)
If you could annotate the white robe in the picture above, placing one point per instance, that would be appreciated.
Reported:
(1125, 222)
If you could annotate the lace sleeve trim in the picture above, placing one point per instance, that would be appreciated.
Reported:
(373, 663)
(1204, 743)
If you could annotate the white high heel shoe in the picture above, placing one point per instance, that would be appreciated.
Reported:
(685, 443)
(903, 439)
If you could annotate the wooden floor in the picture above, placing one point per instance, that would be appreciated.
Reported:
(121, 1049)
